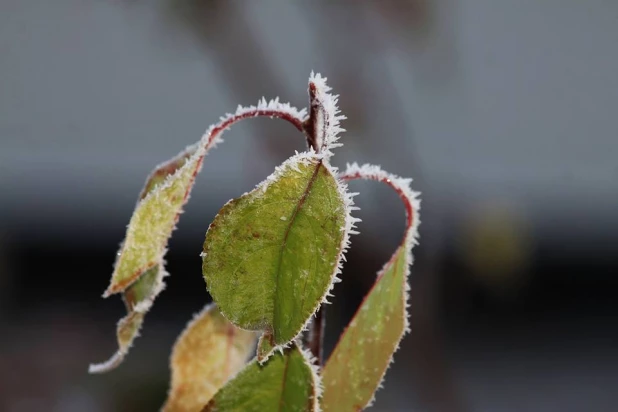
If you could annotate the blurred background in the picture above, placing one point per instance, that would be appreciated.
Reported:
(504, 113)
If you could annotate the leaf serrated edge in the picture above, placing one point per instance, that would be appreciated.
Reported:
(412, 203)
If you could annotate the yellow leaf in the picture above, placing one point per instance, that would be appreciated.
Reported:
(206, 355)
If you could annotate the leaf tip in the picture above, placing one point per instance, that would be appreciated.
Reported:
(110, 364)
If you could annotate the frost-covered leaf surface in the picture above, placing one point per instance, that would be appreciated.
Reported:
(154, 218)
(285, 383)
(139, 273)
(206, 355)
(271, 255)
(355, 368)
(358, 363)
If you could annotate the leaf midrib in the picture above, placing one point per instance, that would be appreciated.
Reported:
(291, 220)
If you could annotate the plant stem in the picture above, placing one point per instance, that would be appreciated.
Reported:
(310, 126)
(315, 337)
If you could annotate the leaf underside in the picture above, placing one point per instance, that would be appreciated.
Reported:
(355, 368)
(270, 256)
(209, 352)
(285, 383)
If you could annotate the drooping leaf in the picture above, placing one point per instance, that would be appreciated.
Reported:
(285, 383)
(139, 273)
(358, 363)
(154, 218)
(206, 355)
(271, 255)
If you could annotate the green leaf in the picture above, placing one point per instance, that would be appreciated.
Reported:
(358, 363)
(208, 352)
(139, 268)
(271, 255)
(285, 383)
(154, 218)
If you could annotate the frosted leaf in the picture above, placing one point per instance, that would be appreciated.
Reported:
(271, 274)
(154, 218)
(359, 361)
(325, 114)
(206, 355)
(287, 382)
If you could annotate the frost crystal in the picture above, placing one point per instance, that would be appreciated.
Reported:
(326, 114)
(315, 374)
(400, 185)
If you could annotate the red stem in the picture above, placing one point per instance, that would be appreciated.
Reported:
(272, 113)
(407, 202)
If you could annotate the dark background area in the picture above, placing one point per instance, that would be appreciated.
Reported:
(504, 113)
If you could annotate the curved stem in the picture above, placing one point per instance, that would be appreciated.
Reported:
(272, 109)
(215, 131)
(399, 185)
